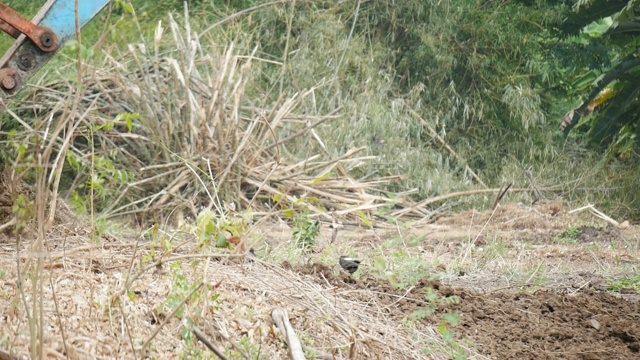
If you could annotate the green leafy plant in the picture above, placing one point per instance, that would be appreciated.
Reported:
(455, 350)
(185, 301)
(24, 211)
(247, 349)
(609, 110)
(180, 288)
(573, 233)
(433, 300)
(215, 229)
(305, 231)
(434, 303)
(160, 242)
(403, 269)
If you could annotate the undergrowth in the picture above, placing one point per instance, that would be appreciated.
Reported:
(493, 117)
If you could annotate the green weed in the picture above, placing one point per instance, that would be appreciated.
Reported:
(632, 282)
(455, 350)
(305, 231)
(434, 303)
(212, 228)
(402, 269)
(569, 236)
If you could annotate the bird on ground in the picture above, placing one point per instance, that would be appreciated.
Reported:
(349, 264)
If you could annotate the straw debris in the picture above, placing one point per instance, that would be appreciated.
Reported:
(173, 127)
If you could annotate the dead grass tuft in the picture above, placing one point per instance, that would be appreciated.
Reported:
(175, 126)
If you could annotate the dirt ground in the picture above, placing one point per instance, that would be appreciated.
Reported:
(527, 282)
(581, 324)
(570, 314)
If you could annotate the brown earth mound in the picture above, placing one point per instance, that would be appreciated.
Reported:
(587, 324)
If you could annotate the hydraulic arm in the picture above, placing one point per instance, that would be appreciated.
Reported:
(38, 41)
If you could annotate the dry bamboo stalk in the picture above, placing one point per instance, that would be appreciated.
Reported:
(434, 134)
(596, 213)
(138, 183)
(260, 145)
(341, 168)
(450, 196)
(300, 164)
(326, 194)
(239, 149)
(266, 178)
(299, 133)
(337, 184)
(363, 207)
(281, 319)
(213, 110)
(182, 180)
(328, 165)
(273, 191)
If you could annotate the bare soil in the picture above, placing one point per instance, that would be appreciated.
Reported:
(531, 282)
(583, 324)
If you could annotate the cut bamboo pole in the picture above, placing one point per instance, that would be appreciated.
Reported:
(281, 319)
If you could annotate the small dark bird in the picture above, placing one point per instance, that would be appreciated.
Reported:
(350, 264)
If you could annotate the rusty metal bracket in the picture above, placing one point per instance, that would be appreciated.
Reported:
(15, 24)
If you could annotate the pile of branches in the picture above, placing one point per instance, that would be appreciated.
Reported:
(174, 126)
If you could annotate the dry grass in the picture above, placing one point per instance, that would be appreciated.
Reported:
(107, 308)
(172, 127)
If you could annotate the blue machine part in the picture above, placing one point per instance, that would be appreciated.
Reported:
(24, 59)
(61, 16)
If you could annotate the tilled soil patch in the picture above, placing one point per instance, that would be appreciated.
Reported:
(548, 324)
(545, 324)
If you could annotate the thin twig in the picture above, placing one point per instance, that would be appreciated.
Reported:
(500, 195)
(203, 338)
(169, 317)
(301, 132)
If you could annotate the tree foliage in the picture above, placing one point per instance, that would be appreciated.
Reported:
(611, 111)
(486, 69)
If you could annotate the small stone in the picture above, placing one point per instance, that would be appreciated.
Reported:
(594, 324)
